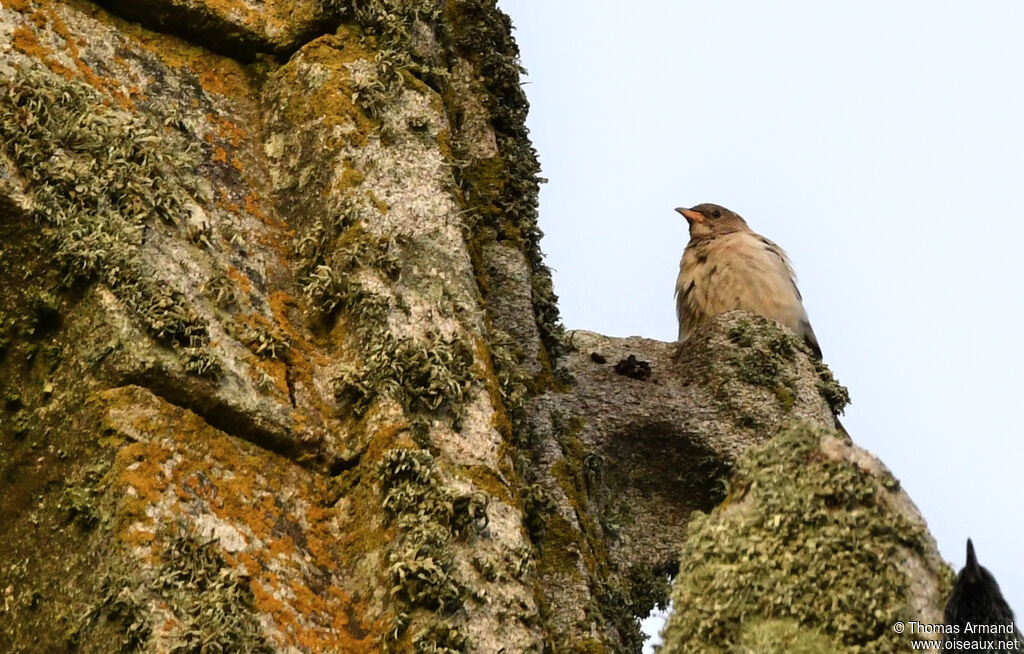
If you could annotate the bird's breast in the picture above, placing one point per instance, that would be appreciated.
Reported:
(736, 271)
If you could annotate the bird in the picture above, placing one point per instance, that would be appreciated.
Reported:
(977, 609)
(727, 266)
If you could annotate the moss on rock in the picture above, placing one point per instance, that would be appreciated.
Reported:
(804, 538)
(836, 395)
(503, 191)
(783, 637)
(763, 357)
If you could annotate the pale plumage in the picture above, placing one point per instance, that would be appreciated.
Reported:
(726, 266)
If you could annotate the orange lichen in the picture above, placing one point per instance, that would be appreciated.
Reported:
(280, 547)
(28, 42)
(278, 371)
(225, 202)
(387, 437)
(229, 131)
(216, 73)
(302, 357)
(219, 76)
(47, 14)
(329, 104)
(177, 455)
(243, 280)
(25, 41)
(137, 537)
(220, 154)
(321, 520)
(281, 304)
(136, 92)
(252, 207)
(139, 466)
(17, 5)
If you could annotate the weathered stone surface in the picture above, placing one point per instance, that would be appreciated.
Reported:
(242, 28)
(238, 250)
(280, 362)
(626, 461)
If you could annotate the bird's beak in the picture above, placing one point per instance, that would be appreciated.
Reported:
(971, 568)
(691, 215)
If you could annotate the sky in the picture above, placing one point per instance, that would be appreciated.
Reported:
(880, 143)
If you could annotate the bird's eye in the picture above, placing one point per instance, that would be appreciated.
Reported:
(715, 213)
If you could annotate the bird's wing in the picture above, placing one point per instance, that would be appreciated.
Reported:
(770, 246)
(810, 339)
(687, 312)
(806, 331)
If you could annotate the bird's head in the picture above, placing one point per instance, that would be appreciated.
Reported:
(976, 596)
(973, 572)
(708, 220)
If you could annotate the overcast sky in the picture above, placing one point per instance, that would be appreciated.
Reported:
(880, 143)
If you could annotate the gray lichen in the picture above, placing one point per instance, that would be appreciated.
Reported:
(211, 603)
(99, 178)
(422, 567)
(330, 257)
(420, 375)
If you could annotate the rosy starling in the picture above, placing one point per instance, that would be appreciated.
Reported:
(727, 266)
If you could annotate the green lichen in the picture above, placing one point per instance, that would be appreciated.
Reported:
(8, 328)
(504, 193)
(741, 334)
(327, 289)
(80, 504)
(265, 340)
(836, 395)
(813, 532)
(537, 506)
(621, 596)
(421, 564)
(439, 638)
(332, 253)
(766, 352)
(566, 430)
(411, 485)
(221, 291)
(12, 400)
(124, 604)
(80, 499)
(43, 314)
(623, 601)
(98, 178)
(388, 27)
(764, 355)
(761, 367)
(211, 603)
(214, 603)
(513, 380)
(421, 375)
